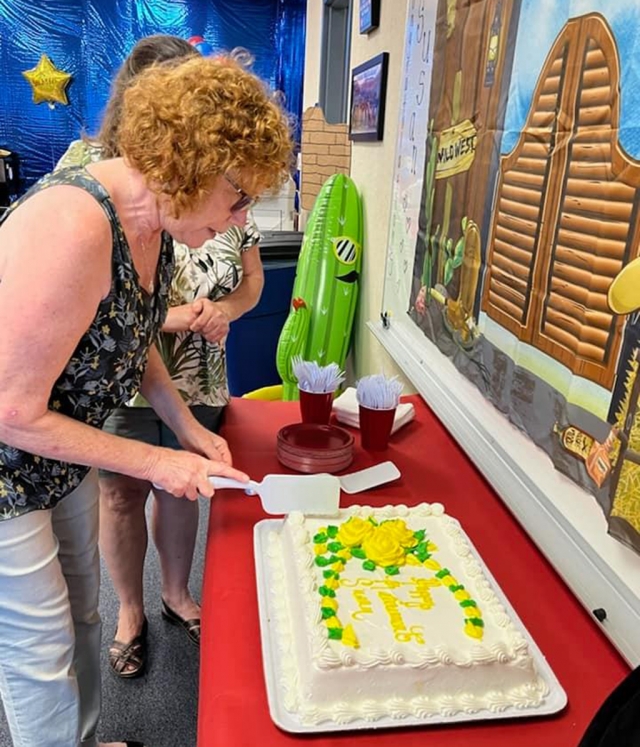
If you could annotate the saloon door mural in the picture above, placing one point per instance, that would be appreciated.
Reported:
(527, 274)
(565, 219)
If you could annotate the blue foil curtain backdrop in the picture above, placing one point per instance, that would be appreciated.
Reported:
(90, 38)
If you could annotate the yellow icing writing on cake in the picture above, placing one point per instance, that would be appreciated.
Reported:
(364, 605)
(389, 545)
(400, 631)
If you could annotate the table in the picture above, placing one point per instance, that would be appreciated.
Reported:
(233, 709)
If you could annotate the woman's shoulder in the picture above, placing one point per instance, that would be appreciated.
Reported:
(79, 153)
(251, 233)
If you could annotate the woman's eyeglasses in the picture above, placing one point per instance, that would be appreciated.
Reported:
(245, 201)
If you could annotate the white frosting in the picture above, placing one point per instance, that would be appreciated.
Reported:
(414, 657)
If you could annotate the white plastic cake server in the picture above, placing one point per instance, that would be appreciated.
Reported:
(280, 494)
(364, 479)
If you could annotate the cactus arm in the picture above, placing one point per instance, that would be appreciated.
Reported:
(292, 342)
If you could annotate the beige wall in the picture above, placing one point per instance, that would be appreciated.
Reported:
(371, 168)
(312, 50)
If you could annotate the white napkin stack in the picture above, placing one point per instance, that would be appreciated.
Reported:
(345, 408)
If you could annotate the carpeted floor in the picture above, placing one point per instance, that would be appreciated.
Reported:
(161, 707)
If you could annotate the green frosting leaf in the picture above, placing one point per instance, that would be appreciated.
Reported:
(327, 612)
(419, 535)
(468, 603)
(332, 532)
(392, 570)
(320, 538)
(335, 546)
(335, 634)
(442, 573)
(322, 561)
(456, 587)
(330, 574)
(477, 621)
(325, 591)
(369, 565)
(358, 552)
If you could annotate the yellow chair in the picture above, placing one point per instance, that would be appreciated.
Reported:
(267, 393)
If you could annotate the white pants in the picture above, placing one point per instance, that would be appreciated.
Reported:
(49, 622)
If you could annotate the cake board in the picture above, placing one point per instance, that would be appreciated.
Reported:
(555, 701)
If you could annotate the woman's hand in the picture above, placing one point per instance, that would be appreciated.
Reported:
(212, 321)
(201, 440)
(180, 318)
(185, 474)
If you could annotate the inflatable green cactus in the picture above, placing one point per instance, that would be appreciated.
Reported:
(327, 282)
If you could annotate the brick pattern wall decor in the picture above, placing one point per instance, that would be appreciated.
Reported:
(326, 150)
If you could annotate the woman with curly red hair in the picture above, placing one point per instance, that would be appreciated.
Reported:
(200, 139)
(211, 287)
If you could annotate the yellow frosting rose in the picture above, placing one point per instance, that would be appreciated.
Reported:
(383, 548)
(353, 532)
(398, 529)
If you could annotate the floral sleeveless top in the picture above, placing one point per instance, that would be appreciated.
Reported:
(197, 367)
(105, 369)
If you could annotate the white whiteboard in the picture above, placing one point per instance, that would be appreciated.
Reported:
(563, 520)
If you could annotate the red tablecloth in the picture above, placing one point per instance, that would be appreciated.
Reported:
(233, 710)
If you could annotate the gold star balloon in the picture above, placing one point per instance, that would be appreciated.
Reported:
(48, 83)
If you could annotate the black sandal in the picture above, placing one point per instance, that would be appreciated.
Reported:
(124, 655)
(191, 627)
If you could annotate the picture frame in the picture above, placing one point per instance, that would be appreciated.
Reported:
(369, 15)
(368, 94)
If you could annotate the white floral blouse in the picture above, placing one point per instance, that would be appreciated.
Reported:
(197, 367)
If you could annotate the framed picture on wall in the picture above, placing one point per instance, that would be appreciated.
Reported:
(368, 93)
(369, 15)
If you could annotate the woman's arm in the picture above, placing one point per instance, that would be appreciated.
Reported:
(180, 318)
(248, 293)
(53, 279)
(53, 276)
(215, 316)
(161, 393)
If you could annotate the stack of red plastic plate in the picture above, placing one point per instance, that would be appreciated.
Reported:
(307, 447)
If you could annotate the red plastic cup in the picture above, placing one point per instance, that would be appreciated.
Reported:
(375, 427)
(315, 407)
